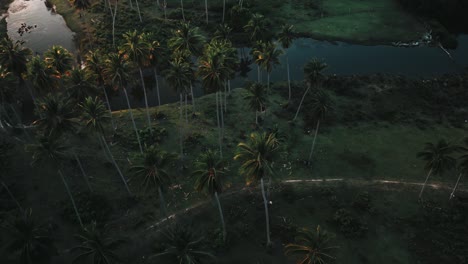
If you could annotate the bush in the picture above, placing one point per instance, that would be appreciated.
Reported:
(349, 225)
(92, 207)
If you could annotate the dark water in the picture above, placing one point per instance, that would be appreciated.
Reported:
(48, 29)
(342, 58)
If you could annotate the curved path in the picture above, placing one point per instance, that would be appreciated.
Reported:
(353, 182)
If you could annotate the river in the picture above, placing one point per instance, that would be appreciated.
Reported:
(342, 58)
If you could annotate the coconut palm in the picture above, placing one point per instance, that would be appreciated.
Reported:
(96, 64)
(257, 158)
(32, 241)
(183, 246)
(256, 27)
(462, 167)
(438, 159)
(256, 98)
(41, 76)
(117, 70)
(188, 38)
(209, 170)
(56, 115)
(321, 105)
(138, 50)
(223, 31)
(14, 57)
(213, 72)
(81, 85)
(59, 59)
(82, 4)
(51, 149)
(311, 247)
(286, 37)
(267, 56)
(178, 76)
(150, 170)
(96, 246)
(95, 117)
(312, 74)
(155, 59)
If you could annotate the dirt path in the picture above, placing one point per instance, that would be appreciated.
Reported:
(353, 182)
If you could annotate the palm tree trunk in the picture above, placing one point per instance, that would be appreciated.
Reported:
(12, 196)
(71, 198)
(157, 85)
(85, 177)
(181, 132)
(186, 113)
(256, 117)
(146, 101)
(267, 216)
(193, 98)
(425, 182)
(302, 100)
(224, 10)
(268, 82)
(138, 9)
(313, 142)
(133, 120)
(114, 15)
(206, 10)
(182, 6)
(221, 113)
(456, 186)
(109, 107)
(229, 86)
(221, 216)
(162, 202)
(116, 166)
(225, 96)
(131, 4)
(289, 78)
(219, 126)
(108, 158)
(258, 73)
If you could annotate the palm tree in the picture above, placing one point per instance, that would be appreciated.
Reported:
(312, 73)
(95, 64)
(94, 117)
(59, 59)
(82, 4)
(41, 76)
(138, 50)
(286, 37)
(188, 38)
(183, 246)
(178, 76)
(117, 71)
(56, 115)
(150, 169)
(257, 157)
(213, 72)
(267, 56)
(96, 247)
(437, 158)
(321, 105)
(14, 58)
(81, 85)
(52, 149)
(206, 11)
(182, 7)
(31, 240)
(256, 98)
(223, 31)
(156, 59)
(311, 247)
(462, 167)
(209, 170)
(256, 27)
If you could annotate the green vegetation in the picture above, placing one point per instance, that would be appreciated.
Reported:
(84, 173)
